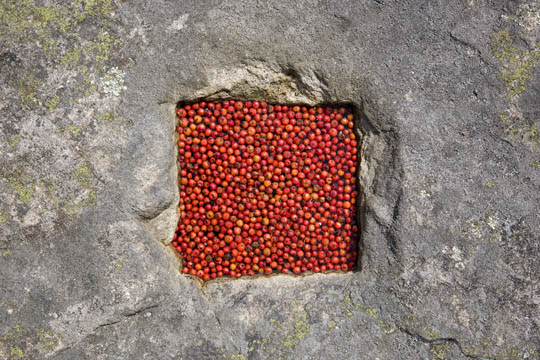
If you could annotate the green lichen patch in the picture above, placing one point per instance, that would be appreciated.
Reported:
(301, 327)
(27, 343)
(48, 341)
(521, 130)
(16, 352)
(100, 49)
(331, 324)
(284, 337)
(71, 58)
(23, 189)
(348, 307)
(527, 17)
(52, 103)
(16, 341)
(83, 176)
(517, 65)
(61, 33)
(488, 349)
(13, 143)
(488, 228)
(111, 120)
(74, 129)
(439, 351)
(28, 87)
(232, 356)
(33, 20)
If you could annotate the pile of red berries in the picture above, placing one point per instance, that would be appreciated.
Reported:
(266, 188)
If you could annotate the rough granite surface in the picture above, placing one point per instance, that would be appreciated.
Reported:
(448, 99)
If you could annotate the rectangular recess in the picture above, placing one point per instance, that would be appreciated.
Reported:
(266, 188)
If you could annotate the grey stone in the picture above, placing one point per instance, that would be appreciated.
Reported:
(446, 96)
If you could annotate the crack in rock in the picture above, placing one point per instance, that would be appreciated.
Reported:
(126, 315)
(441, 340)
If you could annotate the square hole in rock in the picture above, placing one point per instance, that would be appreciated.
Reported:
(266, 188)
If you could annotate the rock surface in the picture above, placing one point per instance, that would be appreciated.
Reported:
(448, 96)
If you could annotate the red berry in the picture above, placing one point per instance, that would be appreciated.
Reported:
(265, 188)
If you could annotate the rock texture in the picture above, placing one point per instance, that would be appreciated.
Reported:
(447, 93)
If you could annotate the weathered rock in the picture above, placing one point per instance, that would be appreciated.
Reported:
(447, 96)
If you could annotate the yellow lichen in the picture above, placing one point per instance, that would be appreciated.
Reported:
(13, 143)
(74, 129)
(16, 352)
(331, 324)
(24, 192)
(301, 327)
(439, 351)
(83, 176)
(52, 103)
(371, 312)
(238, 357)
(48, 341)
(101, 47)
(51, 26)
(28, 87)
(109, 119)
(71, 57)
(518, 65)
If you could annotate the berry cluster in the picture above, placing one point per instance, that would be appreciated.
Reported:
(265, 188)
